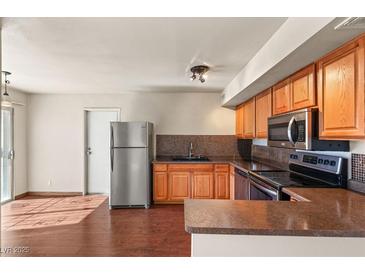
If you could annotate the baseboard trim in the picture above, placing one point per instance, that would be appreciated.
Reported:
(19, 196)
(53, 193)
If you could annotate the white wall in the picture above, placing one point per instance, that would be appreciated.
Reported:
(357, 147)
(20, 141)
(56, 128)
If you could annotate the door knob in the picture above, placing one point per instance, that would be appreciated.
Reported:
(11, 154)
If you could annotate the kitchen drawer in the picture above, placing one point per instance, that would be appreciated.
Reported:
(190, 167)
(221, 167)
(160, 167)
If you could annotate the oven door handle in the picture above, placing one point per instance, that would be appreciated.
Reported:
(290, 125)
(264, 189)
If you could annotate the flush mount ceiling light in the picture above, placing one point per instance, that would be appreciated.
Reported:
(199, 72)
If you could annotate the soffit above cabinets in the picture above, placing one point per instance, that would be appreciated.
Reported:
(297, 43)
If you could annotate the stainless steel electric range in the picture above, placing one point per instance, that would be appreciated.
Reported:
(306, 169)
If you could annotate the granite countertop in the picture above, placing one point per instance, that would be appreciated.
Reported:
(320, 212)
(235, 161)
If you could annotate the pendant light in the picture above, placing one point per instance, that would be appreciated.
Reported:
(5, 101)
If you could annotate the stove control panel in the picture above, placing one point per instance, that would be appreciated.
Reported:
(326, 163)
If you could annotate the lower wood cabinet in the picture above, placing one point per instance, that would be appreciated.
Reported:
(231, 182)
(160, 186)
(202, 185)
(221, 185)
(172, 183)
(179, 186)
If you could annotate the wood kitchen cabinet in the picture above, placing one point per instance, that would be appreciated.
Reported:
(340, 82)
(245, 120)
(160, 186)
(174, 182)
(160, 192)
(202, 185)
(302, 85)
(263, 111)
(179, 186)
(239, 121)
(295, 92)
(221, 181)
(231, 182)
(221, 185)
(281, 97)
(249, 119)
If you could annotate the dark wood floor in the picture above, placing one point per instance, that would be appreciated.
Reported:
(84, 226)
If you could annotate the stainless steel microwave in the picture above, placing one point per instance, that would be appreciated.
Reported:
(299, 130)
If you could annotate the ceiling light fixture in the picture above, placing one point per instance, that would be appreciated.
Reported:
(199, 72)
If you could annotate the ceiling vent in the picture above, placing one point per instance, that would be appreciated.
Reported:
(352, 23)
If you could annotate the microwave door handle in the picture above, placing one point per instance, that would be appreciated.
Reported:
(290, 125)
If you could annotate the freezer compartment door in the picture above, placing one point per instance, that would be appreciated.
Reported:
(129, 134)
(130, 177)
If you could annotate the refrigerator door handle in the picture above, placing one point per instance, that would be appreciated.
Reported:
(111, 136)
(111, 159)
(111, 148)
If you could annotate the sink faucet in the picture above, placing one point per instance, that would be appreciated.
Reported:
(190, 150)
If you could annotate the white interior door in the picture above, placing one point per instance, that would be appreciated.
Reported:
(7, 154)
(98, 150)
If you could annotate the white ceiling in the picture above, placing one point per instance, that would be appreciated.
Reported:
(113, 55)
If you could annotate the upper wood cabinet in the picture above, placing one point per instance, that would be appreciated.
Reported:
(245, 120)
(340, 82)
(295, 92)
(281, 97)
(302, 86)
(239, 121)
(202, 185)
(249, 119)
(263, 111)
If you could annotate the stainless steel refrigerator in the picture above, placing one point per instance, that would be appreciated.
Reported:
(131, 152)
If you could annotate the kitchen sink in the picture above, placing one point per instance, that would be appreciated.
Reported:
(199, 158)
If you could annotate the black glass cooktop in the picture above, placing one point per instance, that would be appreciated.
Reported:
(279, 179)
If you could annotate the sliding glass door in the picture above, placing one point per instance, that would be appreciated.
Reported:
(7, 154)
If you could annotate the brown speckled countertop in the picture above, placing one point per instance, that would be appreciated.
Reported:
(235, 161)
(329, 212)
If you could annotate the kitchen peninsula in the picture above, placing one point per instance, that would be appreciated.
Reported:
(317, 222)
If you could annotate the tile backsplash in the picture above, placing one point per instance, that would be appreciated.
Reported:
(358, 167)
(209, 145)
(272, 155)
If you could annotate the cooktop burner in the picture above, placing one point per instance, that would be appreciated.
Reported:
(280, 179)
